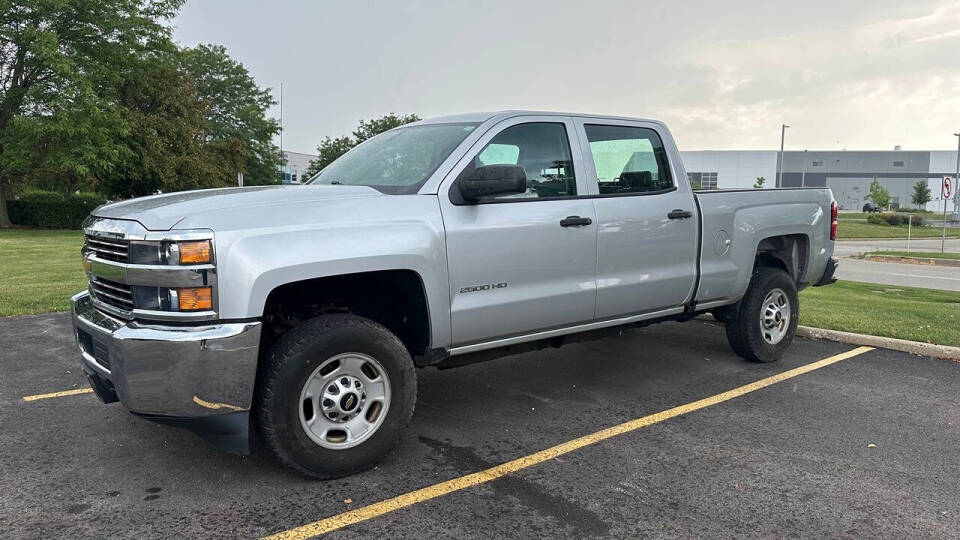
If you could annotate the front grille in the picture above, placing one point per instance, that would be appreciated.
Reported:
(109, 292)
(110, 249)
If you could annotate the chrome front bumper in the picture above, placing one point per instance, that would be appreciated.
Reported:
(166, 371)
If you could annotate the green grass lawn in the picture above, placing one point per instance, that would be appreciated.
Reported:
(39, 270)
(924, 254)
(860, 229)
(926, 315)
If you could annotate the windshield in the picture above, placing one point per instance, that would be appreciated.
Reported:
(397, 161)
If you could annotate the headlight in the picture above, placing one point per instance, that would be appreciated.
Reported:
(170, 252)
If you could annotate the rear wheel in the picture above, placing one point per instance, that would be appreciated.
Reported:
(763, 324)
(335, 395)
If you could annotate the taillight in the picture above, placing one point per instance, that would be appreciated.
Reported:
(833, 220)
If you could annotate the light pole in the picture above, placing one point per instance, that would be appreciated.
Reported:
(803, 177)
(956, 179)
(783, 134)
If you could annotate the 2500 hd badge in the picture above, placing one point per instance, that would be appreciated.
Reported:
(487, 287)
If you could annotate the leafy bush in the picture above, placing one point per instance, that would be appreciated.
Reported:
(877, 219)
(51, 210)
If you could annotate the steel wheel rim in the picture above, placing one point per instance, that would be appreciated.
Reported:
(775, 316)
(344, 401)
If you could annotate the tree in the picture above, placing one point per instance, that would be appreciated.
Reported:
(236, 108)
(56, 58)
(878, 194)
(921, 194)
(332, 148)
(759, 183)
(168, 144)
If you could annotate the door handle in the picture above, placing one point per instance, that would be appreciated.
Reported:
(575, 221)
(680, 214)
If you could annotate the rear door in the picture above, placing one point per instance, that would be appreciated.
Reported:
(516, 263)
(647, 219)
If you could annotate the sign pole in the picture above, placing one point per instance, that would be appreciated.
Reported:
(909, 228)
(945, 193)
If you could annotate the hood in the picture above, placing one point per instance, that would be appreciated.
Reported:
(163, 212)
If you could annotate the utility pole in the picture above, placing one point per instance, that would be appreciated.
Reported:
(283, 165)
(281, 120)
(783, 134)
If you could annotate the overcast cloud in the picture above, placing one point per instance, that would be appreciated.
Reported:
(723, 75)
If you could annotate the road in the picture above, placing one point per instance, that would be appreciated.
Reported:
(852, 248)
(790, 459)
(944, 278)
(904, 275)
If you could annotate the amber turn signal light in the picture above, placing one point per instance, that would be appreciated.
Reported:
(195, 298)
(195, 252)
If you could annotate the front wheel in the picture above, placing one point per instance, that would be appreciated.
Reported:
(762, 325)
(335, 395)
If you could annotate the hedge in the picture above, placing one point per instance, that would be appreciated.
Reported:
(51, 210)
(896, 219)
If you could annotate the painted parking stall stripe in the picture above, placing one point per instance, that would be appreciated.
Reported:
(63, 393)
(481, 477)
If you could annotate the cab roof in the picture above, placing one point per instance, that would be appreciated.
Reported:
(480, 117)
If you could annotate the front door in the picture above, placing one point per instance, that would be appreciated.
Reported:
(517, 264)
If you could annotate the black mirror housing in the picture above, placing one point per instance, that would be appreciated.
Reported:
(489, 180)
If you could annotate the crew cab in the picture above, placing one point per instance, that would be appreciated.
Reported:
(305, 311)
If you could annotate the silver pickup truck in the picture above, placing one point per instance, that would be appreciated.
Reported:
(303, 310)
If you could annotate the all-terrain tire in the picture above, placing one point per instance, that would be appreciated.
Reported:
(744, 328)
(295, 358)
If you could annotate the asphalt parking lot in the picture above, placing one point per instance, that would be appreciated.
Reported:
(792, 459)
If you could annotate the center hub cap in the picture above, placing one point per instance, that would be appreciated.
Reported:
(343, 398)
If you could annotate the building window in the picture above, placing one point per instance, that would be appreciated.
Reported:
(898, 164)
(818, 163)
(708, 180)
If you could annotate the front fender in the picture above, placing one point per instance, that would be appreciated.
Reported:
(251, 264)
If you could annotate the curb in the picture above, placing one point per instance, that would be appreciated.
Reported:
(902, 345)
(926, 261)
(913, 347)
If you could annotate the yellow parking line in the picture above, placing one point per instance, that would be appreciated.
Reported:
(58, 394)
(443, 488)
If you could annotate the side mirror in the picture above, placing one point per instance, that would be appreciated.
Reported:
(492, 180)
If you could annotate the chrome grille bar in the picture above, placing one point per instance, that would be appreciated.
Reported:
(114, 294)
(107, 248)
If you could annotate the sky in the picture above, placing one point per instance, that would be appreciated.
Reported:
(859, 75)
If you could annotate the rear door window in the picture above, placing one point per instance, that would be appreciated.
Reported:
(628, 159)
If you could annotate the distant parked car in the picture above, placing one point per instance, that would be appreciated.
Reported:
(870, 207)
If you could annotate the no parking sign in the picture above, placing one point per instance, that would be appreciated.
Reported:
(947, 187)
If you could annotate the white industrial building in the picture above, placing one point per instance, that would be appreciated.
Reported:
(295, 167)
(847, 173)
